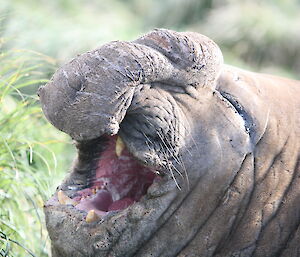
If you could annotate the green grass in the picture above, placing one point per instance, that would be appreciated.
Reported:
(30, 150)
(64, 28)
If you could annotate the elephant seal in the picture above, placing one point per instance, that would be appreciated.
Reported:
(178, 154)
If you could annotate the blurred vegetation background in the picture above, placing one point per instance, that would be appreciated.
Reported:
(36, 36)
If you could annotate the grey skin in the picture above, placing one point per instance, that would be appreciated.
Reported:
(228, 138)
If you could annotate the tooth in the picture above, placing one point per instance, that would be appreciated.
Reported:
(64, 199)
(119, 146)
(91, 216)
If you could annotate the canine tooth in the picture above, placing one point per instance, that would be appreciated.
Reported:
(91, 216)
(64, 199)
(119, 146)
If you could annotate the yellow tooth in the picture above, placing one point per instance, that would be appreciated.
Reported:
(64, 199)
(119, 146)
(91, 216)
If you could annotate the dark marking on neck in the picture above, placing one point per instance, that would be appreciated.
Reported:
(248, 121)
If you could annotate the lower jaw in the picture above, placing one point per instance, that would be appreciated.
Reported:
(72, 235)
(60, 204)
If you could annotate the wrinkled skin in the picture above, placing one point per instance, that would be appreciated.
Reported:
(232, 134)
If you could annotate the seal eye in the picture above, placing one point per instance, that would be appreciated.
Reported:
(116, 181)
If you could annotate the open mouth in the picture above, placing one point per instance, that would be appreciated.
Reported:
(114, 180)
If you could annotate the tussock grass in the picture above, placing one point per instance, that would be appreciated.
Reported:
(28, 164)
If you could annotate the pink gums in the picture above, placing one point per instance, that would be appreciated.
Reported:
(119, 182)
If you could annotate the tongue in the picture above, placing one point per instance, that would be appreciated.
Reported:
(100, 201)
(120, 204)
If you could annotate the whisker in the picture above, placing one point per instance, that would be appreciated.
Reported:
(185, 171)
(165, 145)
(170, 169)
(148, 140)
(172, 174)
(171, 152)
(180, 174)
